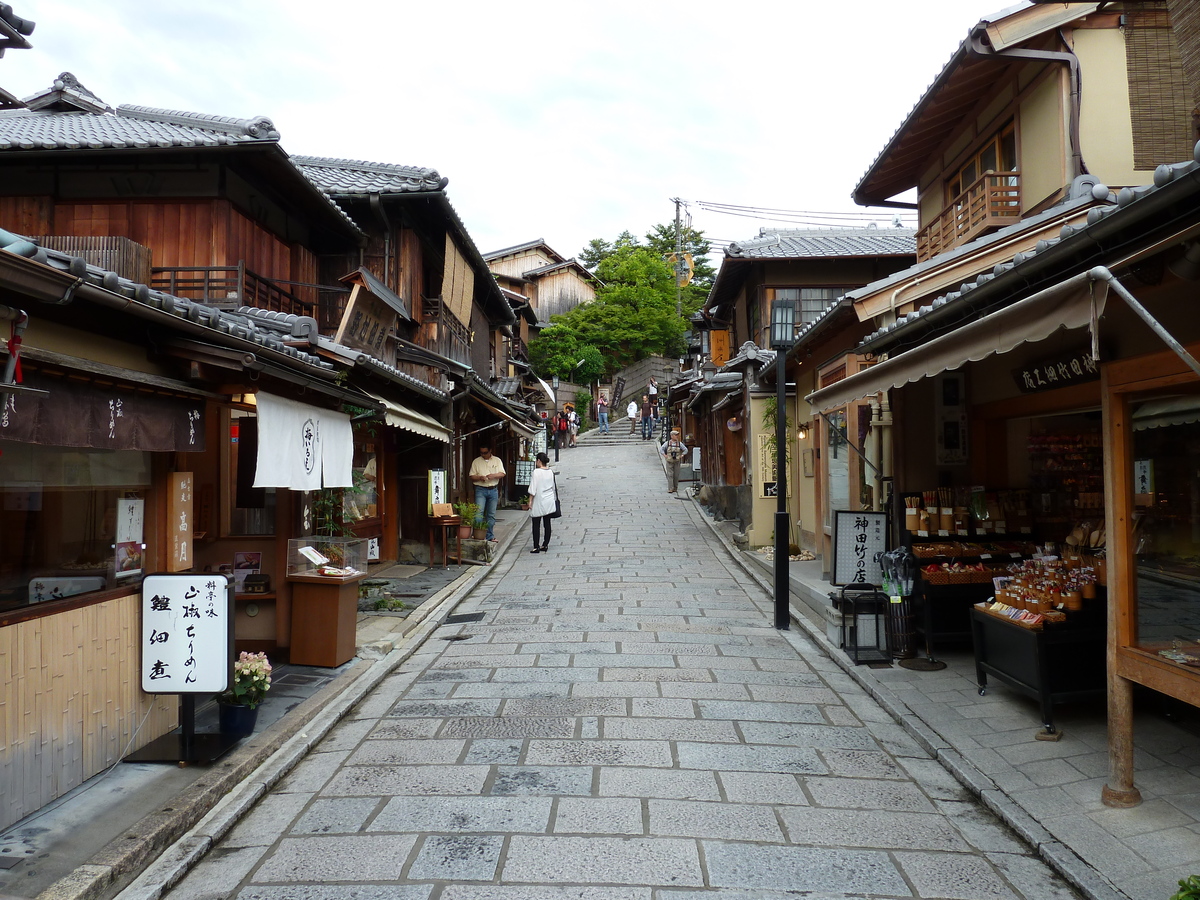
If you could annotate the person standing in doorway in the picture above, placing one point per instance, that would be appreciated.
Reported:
(543, 493)
(486, 474)
(632, 412)
(602, 414)
(673, 450)
(647, 418)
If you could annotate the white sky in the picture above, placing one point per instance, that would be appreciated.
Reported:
(563, 121)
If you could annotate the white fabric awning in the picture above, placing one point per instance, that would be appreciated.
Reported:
(1074, 303)
(516, 424)
(302, 447)
(1165, 411)
(400, 416)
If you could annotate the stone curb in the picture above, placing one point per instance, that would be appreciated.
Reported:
(1060, 857)
(155, 854)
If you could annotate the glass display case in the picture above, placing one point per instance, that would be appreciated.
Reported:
(326, 557)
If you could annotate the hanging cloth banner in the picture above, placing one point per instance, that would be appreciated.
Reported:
(302, 447)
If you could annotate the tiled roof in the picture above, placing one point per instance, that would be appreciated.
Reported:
(825, 243)
(13, 30)
(67, 116)
(342, 177)
(528, 245)
(507, 385)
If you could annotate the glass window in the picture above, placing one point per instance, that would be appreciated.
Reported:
(1166, 526)
(71, 519)
(252, 510)
(837, 465)
(361, 501)
(813, 300)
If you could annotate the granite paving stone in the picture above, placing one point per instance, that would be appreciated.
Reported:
(625, 724)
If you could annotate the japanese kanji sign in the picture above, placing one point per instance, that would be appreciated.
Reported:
(179, 521)
(185, 634)
(858, 539)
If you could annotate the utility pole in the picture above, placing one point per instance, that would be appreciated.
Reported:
(678, 259)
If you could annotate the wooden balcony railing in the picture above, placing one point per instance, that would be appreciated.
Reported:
(992, 201)
(228, 287)
(442, 332)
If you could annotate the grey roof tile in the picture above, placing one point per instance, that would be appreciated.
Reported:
(825, 242)
(354, 177)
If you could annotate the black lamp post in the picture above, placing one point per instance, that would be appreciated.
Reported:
(783, 336)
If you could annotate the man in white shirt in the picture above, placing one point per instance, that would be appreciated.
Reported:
(486, 473)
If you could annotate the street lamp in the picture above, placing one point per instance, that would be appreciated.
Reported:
(783, 336)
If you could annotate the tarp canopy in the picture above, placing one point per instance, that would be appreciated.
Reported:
(1074, 303)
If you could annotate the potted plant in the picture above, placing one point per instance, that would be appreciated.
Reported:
(526, 501)
(468, 512)
(237, 705)
(480, 527)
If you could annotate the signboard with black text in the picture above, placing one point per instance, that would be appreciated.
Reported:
(185, 633)
(859, 536)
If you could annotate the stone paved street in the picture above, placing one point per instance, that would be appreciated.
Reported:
(623, 723)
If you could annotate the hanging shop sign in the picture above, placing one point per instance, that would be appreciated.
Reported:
(859, 537)
(302, 447)
(108, 417)
(1057, 372)
(185, 634)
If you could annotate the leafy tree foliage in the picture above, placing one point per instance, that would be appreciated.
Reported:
(634, 314)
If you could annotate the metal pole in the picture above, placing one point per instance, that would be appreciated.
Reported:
(678, 261)
(782, 523)
(554, 421)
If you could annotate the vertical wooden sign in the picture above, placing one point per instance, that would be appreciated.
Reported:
(179, 521)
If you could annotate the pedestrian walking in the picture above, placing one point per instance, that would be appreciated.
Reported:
(602, 414)
(543, 493)
(486, 473)
(562, 427)
(632, 412)
(573, 425)
(647, 418)
(673, 450)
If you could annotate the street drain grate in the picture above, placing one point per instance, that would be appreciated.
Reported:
(459, 618)
(457, 637)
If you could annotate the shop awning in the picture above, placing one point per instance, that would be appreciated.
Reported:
(517, 425)
(400, 416)
(302, 447)
(1077, 302)
(1165, 411)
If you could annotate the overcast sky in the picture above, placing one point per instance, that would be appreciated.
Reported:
(563, 121)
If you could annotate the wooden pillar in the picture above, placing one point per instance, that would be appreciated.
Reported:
(1119, 791)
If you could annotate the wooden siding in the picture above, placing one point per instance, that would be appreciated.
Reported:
(72, 701)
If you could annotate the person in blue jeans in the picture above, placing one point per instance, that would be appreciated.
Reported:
(647, 418)
(486, 473)
(602, 413)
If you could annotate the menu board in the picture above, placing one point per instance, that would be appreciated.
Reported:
(859, 537)
(185, 634)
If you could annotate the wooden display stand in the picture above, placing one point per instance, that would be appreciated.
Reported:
(324, 619)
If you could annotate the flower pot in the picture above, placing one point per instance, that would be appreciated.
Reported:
(464, 531)
(479, 534)
(239, 720)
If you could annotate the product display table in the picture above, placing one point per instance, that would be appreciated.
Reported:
(324, 619)
(1052, 664)
(444, 524)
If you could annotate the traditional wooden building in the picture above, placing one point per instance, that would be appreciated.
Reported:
(1039, 360)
